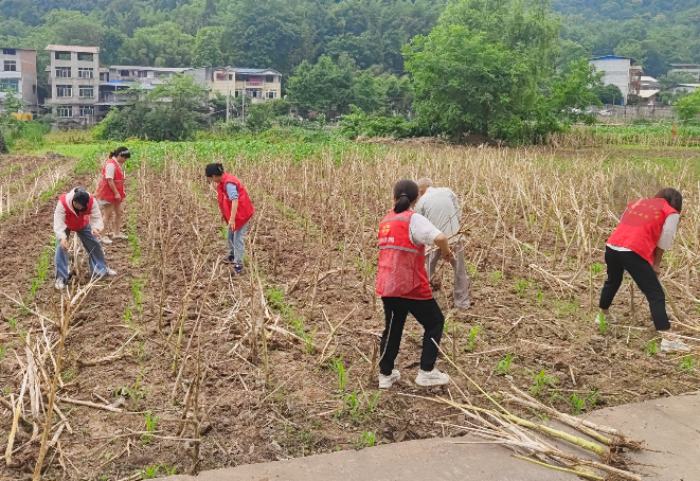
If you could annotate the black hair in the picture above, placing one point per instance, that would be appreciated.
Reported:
(214, 169)
(123, 151)
(81, 196)
(672, 196)
(405, 192)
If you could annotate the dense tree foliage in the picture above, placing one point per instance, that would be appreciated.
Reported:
(280, 34)
(171, 111)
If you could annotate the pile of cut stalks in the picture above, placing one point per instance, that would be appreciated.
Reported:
(542, 444)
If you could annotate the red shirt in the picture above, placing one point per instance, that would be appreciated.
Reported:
(401, 263)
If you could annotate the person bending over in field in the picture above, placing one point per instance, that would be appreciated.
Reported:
(77, 212)
(441, 207)
(637, 246)
(110, 192)
(402, 283)
(236, 210)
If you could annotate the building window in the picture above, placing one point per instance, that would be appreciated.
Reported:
(33, 89)
(85, 72)
(85, 57)
(9, 51)
(9, 84)
(237, 93)
(86, 92)
(63, 72)
(64, 90)
(64, 111)
(62, 55)
(143, 74)
(10, 66)
(269, 79)
(124, 73)
(87, 110)
(271, 94)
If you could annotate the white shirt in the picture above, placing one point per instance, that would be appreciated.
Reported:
(667, 234)
(441, 207)
(110, 169)
(59, 216)
(421, 231)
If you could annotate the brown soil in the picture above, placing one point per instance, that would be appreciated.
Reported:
(175, 335)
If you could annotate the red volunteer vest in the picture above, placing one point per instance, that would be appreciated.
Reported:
(76, 222)
(245, 207)
(104, 192)
(641, 225)
(401, 263)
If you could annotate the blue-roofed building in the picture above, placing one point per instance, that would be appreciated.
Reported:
(622, 72)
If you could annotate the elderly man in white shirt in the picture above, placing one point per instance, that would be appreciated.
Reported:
(441, 207)
(78, 212)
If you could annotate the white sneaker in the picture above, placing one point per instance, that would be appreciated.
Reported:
(668, 345)
(120, 236)
(111, 272)
(385, 382)
(60, 284)
(610, 318)
(105, 240)
(432, 378)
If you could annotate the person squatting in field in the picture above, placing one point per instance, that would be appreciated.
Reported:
(441, 207)
(110, 192)
(637, 246)
(402, 283)
(236, 209)
(77, 212)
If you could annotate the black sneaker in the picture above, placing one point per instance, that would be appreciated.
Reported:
(237, 270)
(227, 260)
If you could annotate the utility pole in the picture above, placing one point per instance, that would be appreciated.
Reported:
(243, 108)
(228, 95)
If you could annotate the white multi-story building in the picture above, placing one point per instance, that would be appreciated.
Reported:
(74, 80)
(18, 74)
(619, 71)
(689, 68)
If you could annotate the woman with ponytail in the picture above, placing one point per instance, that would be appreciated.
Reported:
(110, 192)
(236, 210)
(402, 283)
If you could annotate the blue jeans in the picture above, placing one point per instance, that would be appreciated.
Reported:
(96, 255)
(236, 248)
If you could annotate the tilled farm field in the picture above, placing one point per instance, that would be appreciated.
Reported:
(175, 366)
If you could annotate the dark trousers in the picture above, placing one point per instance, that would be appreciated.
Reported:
(427, 313)
(643, 275)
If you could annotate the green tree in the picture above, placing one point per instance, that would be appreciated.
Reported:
(171, 111)
(207, 47)
(323, 87)
(688, 107)
(162, 46)
(482, 65)
(573, 93)
(608, 94)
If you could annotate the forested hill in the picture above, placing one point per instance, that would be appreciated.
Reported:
(626, 9)
(282, 33)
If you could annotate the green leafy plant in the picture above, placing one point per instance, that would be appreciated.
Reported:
(368, 440)
(603, 324)
(521, 286)
(151, 424)
(503, 366)
(577, 404)
(151, 472)
(471, 340)
(337, 366)
(687, 365)
(651, 348)
(596, 268)
(495, 277)
(542, 381)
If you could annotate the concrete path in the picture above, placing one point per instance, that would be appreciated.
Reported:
(670, 427)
